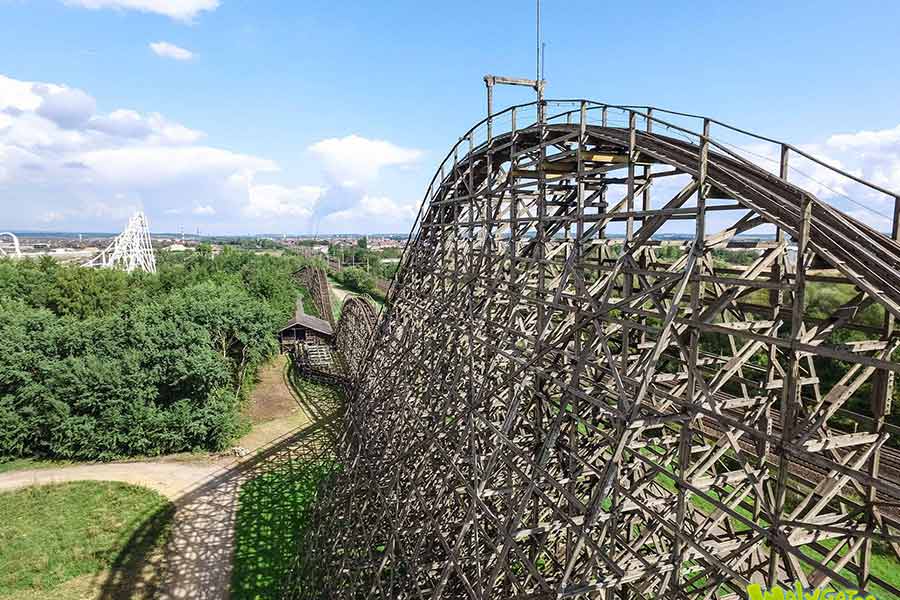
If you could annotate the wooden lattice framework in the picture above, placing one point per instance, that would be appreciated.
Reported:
(355, 330)
(558, 405)
(313, 278)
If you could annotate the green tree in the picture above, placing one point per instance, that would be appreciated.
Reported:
(102, 364)
(358, 280)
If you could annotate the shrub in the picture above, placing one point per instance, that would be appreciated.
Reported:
(158, 367)
(357, 280)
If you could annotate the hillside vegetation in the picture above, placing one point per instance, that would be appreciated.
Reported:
(100, 364)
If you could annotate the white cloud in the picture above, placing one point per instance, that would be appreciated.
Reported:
(384, 207)
(866, 140)
(877, 221)
(75, 167)
(167, 50)
(69, 108)
(122, 122)
(179, 10)
(275, 201)
(872, 156)
(373, 214)
(52, 216)
(49, 116)
(155, 165)
(18, 95)
(116, 210)
(354, 160)
(206, 210)
(78, 168)
(349, 204)
(66, 164)
(153, 127)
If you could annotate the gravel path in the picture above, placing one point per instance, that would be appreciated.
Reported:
(171, 479)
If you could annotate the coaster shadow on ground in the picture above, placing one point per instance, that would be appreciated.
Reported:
(273, 488)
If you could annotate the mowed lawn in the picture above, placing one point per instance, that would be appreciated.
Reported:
(53, 534)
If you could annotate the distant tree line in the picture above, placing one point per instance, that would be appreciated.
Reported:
(358, 280)
(361, 257)
(100, 364)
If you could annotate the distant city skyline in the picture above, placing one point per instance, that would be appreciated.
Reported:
(317, 117)
(193, 235)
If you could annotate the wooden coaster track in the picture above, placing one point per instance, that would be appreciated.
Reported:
(572, 394)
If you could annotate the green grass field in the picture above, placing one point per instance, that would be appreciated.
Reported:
(50, 535)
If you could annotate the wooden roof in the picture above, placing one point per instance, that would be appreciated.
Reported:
(301, 319)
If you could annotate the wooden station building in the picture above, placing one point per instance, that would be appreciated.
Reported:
(305, 329)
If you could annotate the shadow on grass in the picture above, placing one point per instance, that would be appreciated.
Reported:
(273, 511)
(238, 529)
(136, 571)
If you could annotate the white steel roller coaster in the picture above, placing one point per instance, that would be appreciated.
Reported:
(17, 251)
(131, 250)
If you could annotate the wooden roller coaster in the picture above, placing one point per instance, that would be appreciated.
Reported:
(573, 392)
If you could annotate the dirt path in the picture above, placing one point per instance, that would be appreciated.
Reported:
(341, 293)
(272, 398)
(197, 559)
(171, 479)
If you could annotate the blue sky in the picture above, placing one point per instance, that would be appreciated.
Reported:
(305, 116)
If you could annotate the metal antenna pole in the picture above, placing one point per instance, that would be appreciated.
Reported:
(537, 84)
(543, 58)
(537, 71)
(489, 82)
